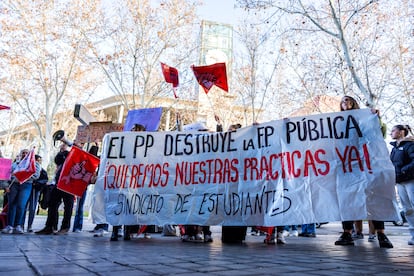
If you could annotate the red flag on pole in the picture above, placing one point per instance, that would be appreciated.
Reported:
(4, 107)
(170, 76)
(210, 75)
(26, 168)
(77, 171)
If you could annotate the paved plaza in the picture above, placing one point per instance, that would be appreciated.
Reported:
(83, 254)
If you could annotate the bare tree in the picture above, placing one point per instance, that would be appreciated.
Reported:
(131, 40)
(333, 19)
(41, 66)
(256, 63)
(364, 44)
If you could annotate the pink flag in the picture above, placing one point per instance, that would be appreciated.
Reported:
(5, 168)
(26, 168)
(77, 171)
(210, 75)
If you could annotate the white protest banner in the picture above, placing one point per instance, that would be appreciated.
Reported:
(320, 168)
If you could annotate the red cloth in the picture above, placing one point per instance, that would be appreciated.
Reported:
(4, 107)
(26, 168)
(77, 171)
(210, 75)
(170, 76)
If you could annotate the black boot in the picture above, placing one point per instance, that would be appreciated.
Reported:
(345, 239)
(384, 242)
(127, 233)
(114, 236)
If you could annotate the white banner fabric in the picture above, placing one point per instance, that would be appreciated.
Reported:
(319, 168)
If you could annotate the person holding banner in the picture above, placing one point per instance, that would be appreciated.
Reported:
(192, 232)
(38, 184)
(129, 229)
(56, 199)
(78, 220)
(349, 103)
(402, 157)
(231, 234)
(19, 190)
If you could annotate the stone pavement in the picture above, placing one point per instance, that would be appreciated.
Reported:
(83, 254)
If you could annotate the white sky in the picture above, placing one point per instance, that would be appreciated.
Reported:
(221, 11)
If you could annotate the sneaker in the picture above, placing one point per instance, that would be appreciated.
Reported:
(280, 239)
(384, 242)
(185, 238)
(8, 230)
(411, 242)
(18, 230)
(77, 231)
(357, 236)
(199, 237)
(29, 230)
(208, 238)
(147, 236)
(294, 233)
(99, 233)
(285, 233)
(345, 239)
(372, 238)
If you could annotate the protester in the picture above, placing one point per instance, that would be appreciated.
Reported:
(349, 103)
(56, 198)
(130, 229)
(32, 203)
(78, 220)
(18, 194)
(230, 234)
(402, 156)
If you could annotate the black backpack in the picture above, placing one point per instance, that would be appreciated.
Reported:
(39, 183)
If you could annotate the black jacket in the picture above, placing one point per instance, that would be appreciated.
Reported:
(402, 156)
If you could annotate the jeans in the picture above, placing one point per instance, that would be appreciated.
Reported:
(17, 198)
(290, 227)
(78, 221)
(406, 194)
(309, 228)
(32, 207)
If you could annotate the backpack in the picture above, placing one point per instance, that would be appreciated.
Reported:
(39, 183)
(45, 196)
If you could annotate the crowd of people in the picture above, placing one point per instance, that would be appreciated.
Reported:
(23, 197)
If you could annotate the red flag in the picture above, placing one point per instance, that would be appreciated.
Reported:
(210, 75)
(77, 171)
(4, 107)
(26, 168)
(170, 76)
